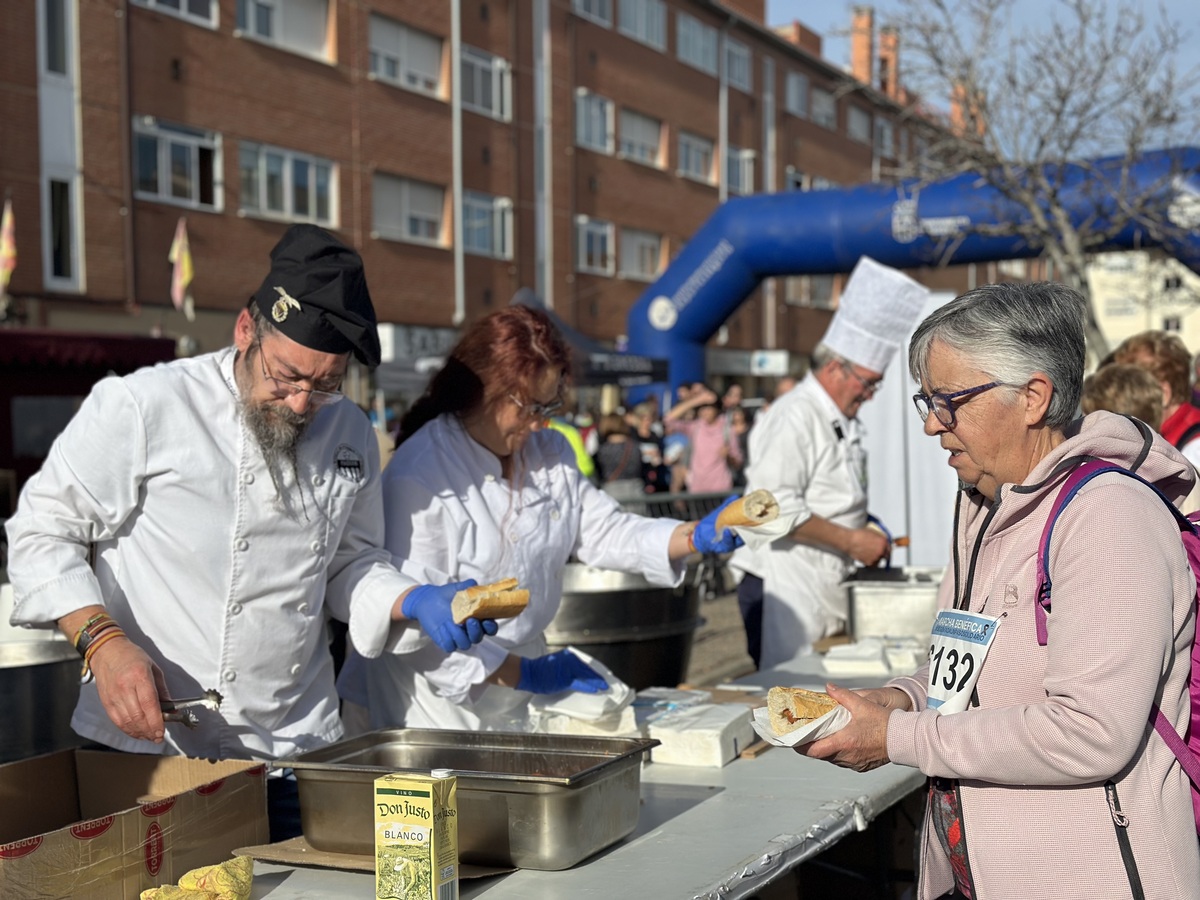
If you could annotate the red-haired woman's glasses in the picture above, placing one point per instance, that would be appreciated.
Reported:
(537, 411)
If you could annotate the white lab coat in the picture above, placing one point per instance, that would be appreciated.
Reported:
(451, 516)
(199, 562)
(812, 458)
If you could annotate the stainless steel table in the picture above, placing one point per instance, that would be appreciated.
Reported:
(702, 833)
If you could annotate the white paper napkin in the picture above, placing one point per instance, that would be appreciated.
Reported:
(589, 707)
(834, 720)
(761, 535)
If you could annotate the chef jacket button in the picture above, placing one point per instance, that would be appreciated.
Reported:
(295, 669)
(554, 515)
(489, 477)
(248, 478)
(303, 607)
(230, 675)
(243, 544)
(235, 608)
(512, 536)
(315, 546)
(318, 480)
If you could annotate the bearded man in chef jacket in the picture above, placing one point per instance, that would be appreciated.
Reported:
(232, 502)
(808, 450)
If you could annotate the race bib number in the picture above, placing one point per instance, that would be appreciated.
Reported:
(957, 649)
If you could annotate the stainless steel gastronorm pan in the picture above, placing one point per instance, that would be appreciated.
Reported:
(535, 801)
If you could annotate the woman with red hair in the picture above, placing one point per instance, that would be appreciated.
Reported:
(479, 489)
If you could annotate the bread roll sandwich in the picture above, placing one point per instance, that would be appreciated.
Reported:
(499, 600)
(756, 508)
(792, 708)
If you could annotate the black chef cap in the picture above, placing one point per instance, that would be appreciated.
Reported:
(316, 294)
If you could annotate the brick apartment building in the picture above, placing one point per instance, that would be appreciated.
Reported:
(585, 141)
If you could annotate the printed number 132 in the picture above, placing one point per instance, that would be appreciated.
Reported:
(953, 661)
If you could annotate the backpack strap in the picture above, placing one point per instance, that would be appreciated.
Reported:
(1076, 480)
(1187, 758)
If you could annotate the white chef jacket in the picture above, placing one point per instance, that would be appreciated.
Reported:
(812, 458)
(199, 562)
(451, 515)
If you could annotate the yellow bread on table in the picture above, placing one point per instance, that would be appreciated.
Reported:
(756, 508)
(231, 880)
(499, 600)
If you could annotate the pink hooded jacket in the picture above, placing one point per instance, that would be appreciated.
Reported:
(1056, 723)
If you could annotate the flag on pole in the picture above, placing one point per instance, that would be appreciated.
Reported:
(8, 247)
(180, 258)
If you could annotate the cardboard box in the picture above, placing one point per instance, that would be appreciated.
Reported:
(96, 825)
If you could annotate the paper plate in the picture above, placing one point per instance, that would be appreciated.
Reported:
(834, 720)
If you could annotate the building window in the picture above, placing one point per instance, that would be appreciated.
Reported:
(599, 11)
(406, 57)
(814, 291)
(800, 181)
(486, 84)
(645, 21)
(738, 65)
(797, 94)
(739, 171)
(487, 225)
(202, 12)
(885, 137)
(285, 184)
(297, 25)
(824, 108)
(593, 246)
(858, 124)
(1173, 324)
(641, 138)
(62, 231)
(593, 121)
(641, 254)
(695, 157)
(696, 43)
(175, 163)
(408, 210)
(56, 55)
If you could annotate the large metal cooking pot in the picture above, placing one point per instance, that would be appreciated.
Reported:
(39, 684)
(641, 631)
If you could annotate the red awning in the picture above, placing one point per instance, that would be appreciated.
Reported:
(120, 353)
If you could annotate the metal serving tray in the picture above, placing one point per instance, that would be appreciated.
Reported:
(534, 801)
(894, 602)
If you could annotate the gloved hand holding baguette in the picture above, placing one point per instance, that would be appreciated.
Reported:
(713, 534)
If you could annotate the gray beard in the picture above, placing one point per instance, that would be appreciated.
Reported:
(277, 430)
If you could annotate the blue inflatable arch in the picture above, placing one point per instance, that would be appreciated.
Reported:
(901, 225)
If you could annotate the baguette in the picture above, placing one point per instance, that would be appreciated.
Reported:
(499, 600)
(792, 708)
(756, 508)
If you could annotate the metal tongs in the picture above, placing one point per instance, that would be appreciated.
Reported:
(180, 710)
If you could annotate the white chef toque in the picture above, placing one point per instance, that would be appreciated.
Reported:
(877, 310)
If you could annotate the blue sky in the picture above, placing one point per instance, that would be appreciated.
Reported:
(828, 17)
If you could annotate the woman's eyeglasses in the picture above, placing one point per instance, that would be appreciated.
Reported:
(538, 411)
(283, 389)
(943, 405)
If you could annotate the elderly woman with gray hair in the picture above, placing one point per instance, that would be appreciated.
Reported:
(1046, 776)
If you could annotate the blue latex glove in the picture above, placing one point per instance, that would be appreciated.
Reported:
(429, 604)
(557, 672)
(705, 538)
